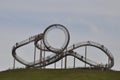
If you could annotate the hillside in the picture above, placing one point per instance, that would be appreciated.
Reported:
(58, 74)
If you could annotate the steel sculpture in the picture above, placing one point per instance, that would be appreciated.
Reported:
(61, 52)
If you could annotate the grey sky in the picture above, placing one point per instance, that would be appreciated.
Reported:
(96, 20)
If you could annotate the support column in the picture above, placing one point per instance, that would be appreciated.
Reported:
(34, 54)
(85, 55)
(14, 63)
(55, 65)
(65, 61)
(74, 58)
(41, 54)
(44, 57)
(74, 62)
(61, 63)
(108, 61)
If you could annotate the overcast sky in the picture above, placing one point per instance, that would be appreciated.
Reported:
(95, 20)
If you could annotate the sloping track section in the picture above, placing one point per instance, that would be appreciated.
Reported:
(60, 53)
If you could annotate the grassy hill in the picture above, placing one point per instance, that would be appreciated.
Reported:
(58, 74)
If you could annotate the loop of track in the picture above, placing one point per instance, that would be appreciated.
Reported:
(60, 53)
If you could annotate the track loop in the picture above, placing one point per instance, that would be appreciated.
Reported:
(61, 52)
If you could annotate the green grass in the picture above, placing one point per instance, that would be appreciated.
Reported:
(57, 74)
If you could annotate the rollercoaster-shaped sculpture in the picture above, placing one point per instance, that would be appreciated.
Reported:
(59, 53)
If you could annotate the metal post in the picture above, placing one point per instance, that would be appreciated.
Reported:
(55, 65)
(44, 58)
(74, 58)
(85, 55)
(65, 61)
(14, 63)
(41, 55)
(74, 62)
(108, 61)
(61, 63)
(34, 55)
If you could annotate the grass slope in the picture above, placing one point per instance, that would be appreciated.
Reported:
(50, 74)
